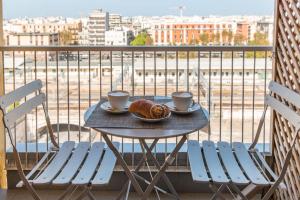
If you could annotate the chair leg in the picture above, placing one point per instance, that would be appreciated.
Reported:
(217, 191)
(248, 191)
(238, 191)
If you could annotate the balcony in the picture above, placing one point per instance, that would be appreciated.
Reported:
(230, 82)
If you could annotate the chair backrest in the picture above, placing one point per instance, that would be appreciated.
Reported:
(290, 97)
(11, 116)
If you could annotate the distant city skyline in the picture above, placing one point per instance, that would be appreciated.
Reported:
(77, 8)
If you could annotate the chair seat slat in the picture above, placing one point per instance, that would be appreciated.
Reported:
(89, 167)
(197, 166)
(56, 165)
(106, 168)
(72, 166)
(213, 163)
(234, 171)
(248, 165)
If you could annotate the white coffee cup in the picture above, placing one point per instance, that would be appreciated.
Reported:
(182, 100)
(118, 99)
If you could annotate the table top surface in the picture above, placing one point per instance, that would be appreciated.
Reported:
(140, 133)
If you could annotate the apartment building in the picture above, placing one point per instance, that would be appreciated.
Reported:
(32, 39)
(189, 33)
(118, 37)
(115, 21)
(97, 25)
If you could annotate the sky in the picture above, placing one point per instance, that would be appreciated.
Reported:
(77, 8)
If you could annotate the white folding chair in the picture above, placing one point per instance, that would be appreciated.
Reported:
(76, 166)
(231, 165)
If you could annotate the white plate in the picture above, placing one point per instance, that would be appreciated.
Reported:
(137, 116)
(192, 109)
(107, 107)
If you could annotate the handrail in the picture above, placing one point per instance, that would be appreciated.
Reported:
(136, 48)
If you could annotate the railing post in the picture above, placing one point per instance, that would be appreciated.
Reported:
(3, 181)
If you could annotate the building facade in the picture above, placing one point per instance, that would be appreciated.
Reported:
(32, 39)
(118, 37)
(97, 25)
(190, 33)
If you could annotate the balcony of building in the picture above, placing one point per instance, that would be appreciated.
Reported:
(230, 82)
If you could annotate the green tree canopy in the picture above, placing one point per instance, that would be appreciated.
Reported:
(239, 39)
(65, 38)
(259, 39)
(204, 38)
(142, 39)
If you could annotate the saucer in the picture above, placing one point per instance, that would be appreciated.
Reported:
(191, 109)
(137, 116)
(107, 107)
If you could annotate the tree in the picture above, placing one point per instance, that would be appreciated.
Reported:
(142, 39)
(217, 37)
(239, 39)
(225, 36)
(230, 37)
(149, 40)
(204, 38)
(258, 39)
(65, 38)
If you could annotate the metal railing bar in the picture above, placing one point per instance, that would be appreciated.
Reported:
(57, 100)
(188, 71)
(243, 95)
(132, 75)
(231, 97)
(14, 87)
(79, 95)
(122, 65)
(90, 133)
(100, 82)
(155, 73)
(68, 91)
(198, 87)
(265, 93)
(26, 139)
(209, 93)
(36, 115)
(144, 73)
(111, 70)
(177, 79)
(253, 94)
(166, 73)
(47, 95)
(136, 48)
(221, 94)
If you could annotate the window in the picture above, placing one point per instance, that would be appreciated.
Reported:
(241, 73)
(159, 73)
(247, 73)
(227, 73)
(140, 74)
(215, 73)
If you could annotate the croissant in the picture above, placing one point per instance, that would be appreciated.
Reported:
(149, 109)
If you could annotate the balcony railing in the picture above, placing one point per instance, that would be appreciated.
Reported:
(230, 82)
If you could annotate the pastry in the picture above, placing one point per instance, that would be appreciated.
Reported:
(149, 109)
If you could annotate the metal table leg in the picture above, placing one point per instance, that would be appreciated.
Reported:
(162, 170)
(122, 162)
